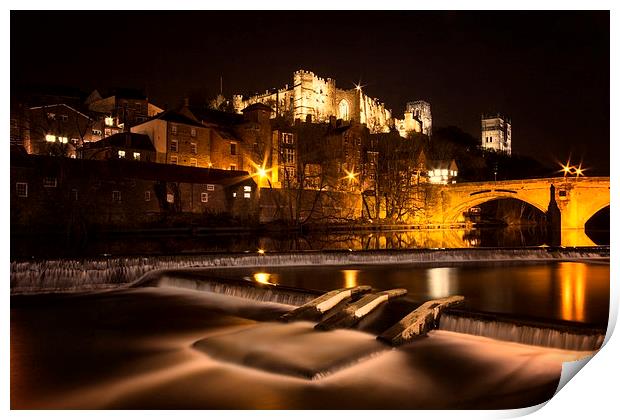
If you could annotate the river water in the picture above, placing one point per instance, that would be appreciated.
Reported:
(164, 347)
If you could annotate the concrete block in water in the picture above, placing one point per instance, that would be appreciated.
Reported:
(419, 321)
(352, 313)
(323, 303)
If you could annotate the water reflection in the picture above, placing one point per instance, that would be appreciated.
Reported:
(264, 278)
(47, 247)
(572, 290)
(350, 277)
(441, 282)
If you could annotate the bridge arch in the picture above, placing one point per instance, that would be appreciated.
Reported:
(455, 213)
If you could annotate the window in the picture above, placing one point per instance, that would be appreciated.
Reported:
(287, 138)
(174, 145)
(136, 155)
(74, 194)
(63, 140)
(193, 132)
(204, 197)
(173, 128)
(234, 195)
(233, 149)
(288, 155)
(22, 189)
(210, 187)
(116, 196)
(147, 196)
(63, 118)
(50, 138)
(51, 116)
(109, 121)
(233, 167)
(246, 195)
(121, 154)
(96, 132)
(343, 110)
(170, 198)
(174, 160)
(193, 162)
(247, 188)
(50, 182)
(193, 148)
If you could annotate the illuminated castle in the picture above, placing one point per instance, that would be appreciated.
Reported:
(314, 98)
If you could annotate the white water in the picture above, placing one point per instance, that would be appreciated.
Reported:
(535, 336)
(96, 273)
(251, 291)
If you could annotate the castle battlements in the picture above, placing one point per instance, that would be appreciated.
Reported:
(317, 98)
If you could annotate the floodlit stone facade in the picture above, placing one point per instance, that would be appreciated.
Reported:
(497, 133)
(316, 99)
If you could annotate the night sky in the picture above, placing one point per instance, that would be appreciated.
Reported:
(549, 71)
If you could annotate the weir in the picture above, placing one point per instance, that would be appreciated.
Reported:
(75, 275)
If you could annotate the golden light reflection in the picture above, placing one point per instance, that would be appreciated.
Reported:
(350, 277)
(440, 282)
(263, 278)
(573, 291)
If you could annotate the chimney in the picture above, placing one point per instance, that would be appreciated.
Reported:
(332, 121)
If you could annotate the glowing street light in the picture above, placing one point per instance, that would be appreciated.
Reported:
(351, 176)
(261, 172)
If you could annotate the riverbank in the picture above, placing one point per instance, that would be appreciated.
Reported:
(88, 274)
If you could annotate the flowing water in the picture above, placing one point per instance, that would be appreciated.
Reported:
(201, 338)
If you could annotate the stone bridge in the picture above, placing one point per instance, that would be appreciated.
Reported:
(578, 199)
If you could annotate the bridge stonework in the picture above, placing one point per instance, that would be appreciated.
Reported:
(577, 198)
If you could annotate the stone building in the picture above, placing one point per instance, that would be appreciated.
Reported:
(496, 133)
(129, 146)
(61, 194)
(55, 129)
(317, 98)
(126, 106)
(421, 111)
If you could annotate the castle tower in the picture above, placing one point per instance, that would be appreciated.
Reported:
(303, 95)
(421, 110)
(496, 133)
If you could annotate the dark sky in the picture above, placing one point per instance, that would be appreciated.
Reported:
(549, 71)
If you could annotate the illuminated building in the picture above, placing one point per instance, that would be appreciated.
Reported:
(497, 133)
(315, 99)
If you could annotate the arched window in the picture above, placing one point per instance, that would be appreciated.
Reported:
(343, 110)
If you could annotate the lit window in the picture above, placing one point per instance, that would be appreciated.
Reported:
(96, 132)
(233, 149)
(50, 137)
(174, 145)
(204, 197)
(246, 195)
(63, 140)
(136, 155)
(116, 196)
(121, 154)
(210, 187)
(193, 148)
(174, 160)
(109, 121)
(234, 195)
(193, 132)
(147, 196)
(22, 189)
(247, 188)
(193, 162)
(50, 182)
(444, 172)
(170, 198)
(233, 167)
(51, 116)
